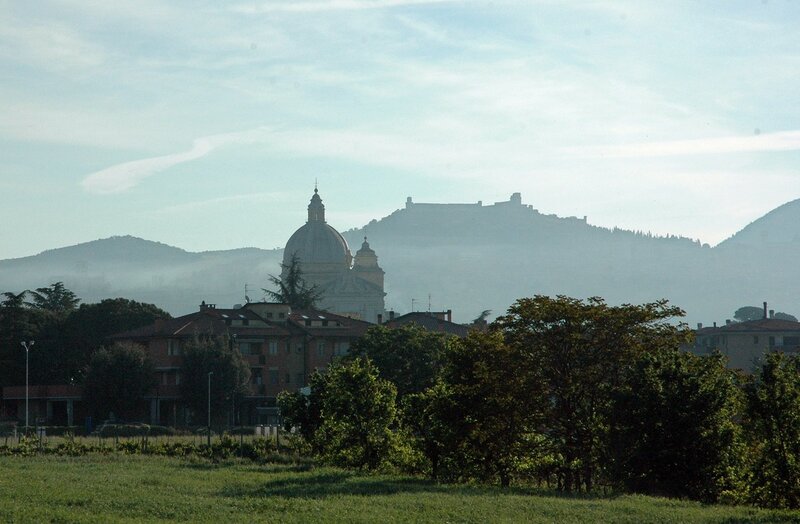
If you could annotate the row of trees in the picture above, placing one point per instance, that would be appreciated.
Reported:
(118, 378)
(576, 394)
(66, 332)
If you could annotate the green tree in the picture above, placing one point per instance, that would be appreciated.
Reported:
(87, 328)
(56, 298)
(780, 315)
(578, 351)
(772, 423)
(673, 429)
(349, 417)
(499, 407)
(229, 382)
(292, 288)
(117, 379)
(303, 412)
(746, 313)
(19, 322)
(437, 428)
(410, 357)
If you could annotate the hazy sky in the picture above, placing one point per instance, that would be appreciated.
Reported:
(205, 126)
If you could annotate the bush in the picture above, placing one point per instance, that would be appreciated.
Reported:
(772, 424)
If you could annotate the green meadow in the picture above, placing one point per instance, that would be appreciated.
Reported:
(121, 488)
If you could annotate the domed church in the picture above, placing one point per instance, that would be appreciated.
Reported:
(350, 286)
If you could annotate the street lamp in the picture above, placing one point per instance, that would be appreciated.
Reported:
(209, 407)
(27, 346)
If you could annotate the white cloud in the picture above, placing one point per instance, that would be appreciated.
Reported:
(225, 202)
(312, 6)
(122, 177)
(781, 141)
(52, 45)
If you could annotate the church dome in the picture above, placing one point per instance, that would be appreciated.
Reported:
(318, 246)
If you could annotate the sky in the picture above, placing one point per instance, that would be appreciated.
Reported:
(205, 125)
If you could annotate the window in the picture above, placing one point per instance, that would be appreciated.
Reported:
(273, 347)
(163, 379)
(250, 348)
(269, 315)
(273, 375)
(173, 347)
(791, 341)
(321, 349)
(342, 348)
(177, 379)
(281, 315)
(255, 376)
(772, 342)
(288, 378)
(300, 378)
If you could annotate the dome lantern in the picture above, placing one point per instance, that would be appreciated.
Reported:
(316, 209)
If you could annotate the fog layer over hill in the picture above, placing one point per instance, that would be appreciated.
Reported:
(466, 257)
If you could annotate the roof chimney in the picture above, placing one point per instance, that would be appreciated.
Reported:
(391, 315)
(727, 321)
(771, 313)
(449, 315)
(715, 324)
(699, 325)
(380, 319)
(765, 310)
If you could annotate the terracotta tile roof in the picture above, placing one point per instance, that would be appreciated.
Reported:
(337, 324)
(207, 322)
(429, 322)
(760, 326)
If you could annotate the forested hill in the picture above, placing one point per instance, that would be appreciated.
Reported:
(781, 226)
(466, 257)
(174, 279)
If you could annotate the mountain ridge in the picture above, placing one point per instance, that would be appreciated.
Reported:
(466, 257)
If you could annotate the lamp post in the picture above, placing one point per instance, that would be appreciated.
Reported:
(209, 407)
(27, 346)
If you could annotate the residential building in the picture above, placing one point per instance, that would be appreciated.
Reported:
(744, 343)
(282, 346)
(435, 321)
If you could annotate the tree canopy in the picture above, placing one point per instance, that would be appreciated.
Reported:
(673, 429)
(229, 382)
(117, 379)
(349, 417)
(773, 428)
(408, 356)
(291, 287)
(55, 298)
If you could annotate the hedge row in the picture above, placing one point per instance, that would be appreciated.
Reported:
(258, 450)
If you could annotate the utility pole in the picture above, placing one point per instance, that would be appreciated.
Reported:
(209, 407)
(27, 346)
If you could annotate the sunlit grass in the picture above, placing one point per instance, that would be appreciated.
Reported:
(99, 488)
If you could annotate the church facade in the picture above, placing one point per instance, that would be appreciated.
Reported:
(350, 285)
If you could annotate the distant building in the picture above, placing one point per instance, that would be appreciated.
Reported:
(282, 346)
(435, 321)
(745, 343)
(350, 286)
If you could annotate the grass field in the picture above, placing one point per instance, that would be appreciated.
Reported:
(99, 488)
